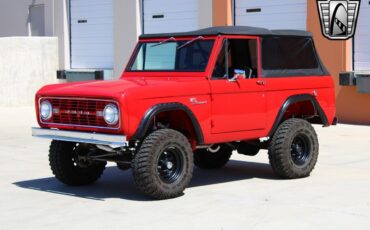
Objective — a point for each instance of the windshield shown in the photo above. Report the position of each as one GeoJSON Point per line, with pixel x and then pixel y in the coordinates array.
{"type": "Point", "coordinates": [171, 55]}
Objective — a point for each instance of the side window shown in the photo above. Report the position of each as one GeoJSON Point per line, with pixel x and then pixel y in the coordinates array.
{"type": "Point", "coordinates": [237, 55]}
{"type": "Point", "coordinates": [290, 56]}
{"type": "Point", "coordinates": [288, 53]}
{"type": "Point", "coordinates": [220, 70]}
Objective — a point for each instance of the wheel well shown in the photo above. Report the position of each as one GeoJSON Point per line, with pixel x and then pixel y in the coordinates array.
{"type": "Point", "coordinates": [177, 120]}
{"type": "Point", "coordinates": [301, 109]}
{"type": "Point", "coordinates": [173, 116]}
{"type": "Point", "coordinates": [302, 106]}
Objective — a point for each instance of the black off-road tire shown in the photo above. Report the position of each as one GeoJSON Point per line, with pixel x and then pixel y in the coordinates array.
{"type": "Point", "coordinates": [292, 137]}
{"type": "Point", "coordinates": [65, 169]}
{"type": "Point", "coordinates": [150, 169]}
{"type": "Point", "coordinates": [205, 159]}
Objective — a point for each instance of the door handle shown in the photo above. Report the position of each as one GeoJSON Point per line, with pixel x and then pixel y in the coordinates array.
{"type": "Point", "coordinates": [261, 82]}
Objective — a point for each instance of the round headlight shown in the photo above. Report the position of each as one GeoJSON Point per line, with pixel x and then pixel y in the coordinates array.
{"type": "Point", "coordinates": [45, 110]}
{"type": "Point", "coordinates": [111, 114]}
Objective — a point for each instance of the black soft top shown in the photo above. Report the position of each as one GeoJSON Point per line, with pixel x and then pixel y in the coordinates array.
{"type": "Point", "coordinates": [232, 30]}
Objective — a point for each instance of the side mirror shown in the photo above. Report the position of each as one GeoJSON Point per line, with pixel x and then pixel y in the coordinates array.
{"type": "Point", "coordinates": [238, 73]}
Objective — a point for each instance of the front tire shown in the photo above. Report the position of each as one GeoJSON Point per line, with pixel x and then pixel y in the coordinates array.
{"type": "Point", "coordinates": [294, 149]}
{"type": "Point", "coordinates": [213, 157]}
{"type": "Point", "coordinates": [70, 166]}
{"type": "Point", "coordinates": [163, 166]}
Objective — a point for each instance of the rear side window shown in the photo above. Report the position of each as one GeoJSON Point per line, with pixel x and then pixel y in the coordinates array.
{"type": "Point", "coordinates": [290, 56]}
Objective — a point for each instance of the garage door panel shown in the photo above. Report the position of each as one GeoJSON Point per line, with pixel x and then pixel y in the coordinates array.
{"type": "Point", "coordinates": [187, 25]}
{"type": "Point", "coordinates": [91, 34]}
{"type": "Point", "coordinates": [102, 64]}
{"type": "Point", "coordinates": [363, 22]}
{"type": "Point", "coordinates": [362, 39]}
{"type": "Point", "coordinates": [90, 7]}
{"type": "Point", "coordinates": [362, 45]}
{"type": "Point", "coordinates": [280, 10]}
{"type": "Point", "coordinates": [362, 66]}
{"type": "Point", "coordinates": [362, 56]}
{"type": "Point", "coordinates": [92, 30]}
{"type": "Point", "coordinates": [277, 25]}
{"type": "Point", "coordinates": [98, 40]}
{"type": "Point", "coordinates": [102, 11]}
{"type": "Point", "coordinates": [267, 18]}
{"type": "Point", "coordinates": [284, 14]}
{"type": "Point", "coordinates": [184, 8]}
{"type": "Point", "coordinates": [92, 21]}
{"type": "Point", "coordinates": [362, 30]}
{"type": "Point", "coordinates": [87, 47]}
{"type": "Point", "coordinates": [170, 16]}
{"type": "Point", "coordinates": [94, 58]}
{"type": "Point", "coordinates": [107, 27]}
{"type": "Point", "coordinates": [101, 16]}
{"type": "Point", "coordinates": [87, 51]}
{"type": "Point", "coordinates": [165, 16]}
{"type": "Point", "coordinates": [90, 3]}
{"type": "Point", "coordinates": [155, 6]}
{"type": "Point", "coordinates": [253, 3]}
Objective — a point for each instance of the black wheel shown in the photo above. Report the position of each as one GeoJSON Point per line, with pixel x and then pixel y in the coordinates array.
{"type": "Point", "coordinates": [294, 149]}
{"type": "Point", "coordinates": [163, 166]}
{"type": "Point", "coordinates": [69, 164]}
{"type": "Point", "coordinates": [216, 156]}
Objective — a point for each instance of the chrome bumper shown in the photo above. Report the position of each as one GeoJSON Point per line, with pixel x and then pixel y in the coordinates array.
{"type": "Point", "coordinates": [81, 137]}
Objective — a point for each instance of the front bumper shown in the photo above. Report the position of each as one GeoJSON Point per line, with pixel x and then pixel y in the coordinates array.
{"type": "Point", "coordinates": [81, 137]}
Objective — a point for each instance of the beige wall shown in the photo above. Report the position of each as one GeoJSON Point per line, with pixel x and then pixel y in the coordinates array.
{"type": "Point", "coordinates": [126, 29]}
{"type": "Point", "coordinates": [61, 31]}
{"type": "Point", "coordinates": [26, 64]}
{"type": "Point", "coordinates": [205, 13]}
{"type": "Point", "coordinates": [14, 20]}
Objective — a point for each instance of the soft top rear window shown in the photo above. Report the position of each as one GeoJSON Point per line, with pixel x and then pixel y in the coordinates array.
{"type": "Point", "coordinates": [290, 56]}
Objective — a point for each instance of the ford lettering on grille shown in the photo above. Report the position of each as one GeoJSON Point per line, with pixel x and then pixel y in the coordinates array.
{"type": "Point", "coordinates": [78, 112]}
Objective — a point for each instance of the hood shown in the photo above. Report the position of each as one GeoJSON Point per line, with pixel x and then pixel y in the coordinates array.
{"type": "Point", "coordinates": [138, 87]}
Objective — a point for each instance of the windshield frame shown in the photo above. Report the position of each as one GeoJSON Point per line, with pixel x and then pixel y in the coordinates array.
{"type": "Point", "coordinates": [177, 39]}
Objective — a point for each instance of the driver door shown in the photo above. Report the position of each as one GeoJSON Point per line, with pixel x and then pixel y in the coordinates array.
{"type": "Point", "coordinates": [238, 104]}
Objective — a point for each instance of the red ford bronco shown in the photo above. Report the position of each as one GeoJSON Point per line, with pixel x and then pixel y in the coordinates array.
{"type": "Point", "coordinates": [192, 99]}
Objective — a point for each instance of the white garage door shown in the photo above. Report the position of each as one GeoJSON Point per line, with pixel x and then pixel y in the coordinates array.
{"type": "Point", "coordinates": [165, 16]}
{"type": "Point", "coordinates": [91, 34]}
{"type": "Point", "coordinates": [282, 14]}
{"type": "Point", "coordinates": [362, 38]}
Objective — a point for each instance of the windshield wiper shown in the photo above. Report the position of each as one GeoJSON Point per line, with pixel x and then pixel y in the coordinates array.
{"type": "Point", "coordinates": [164, 41]}
{"type": "Point", "coordinates": [191, 41]}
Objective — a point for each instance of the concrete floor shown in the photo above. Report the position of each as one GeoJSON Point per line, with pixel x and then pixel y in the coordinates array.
{"type": "Point", "coordinates": [243, 195]}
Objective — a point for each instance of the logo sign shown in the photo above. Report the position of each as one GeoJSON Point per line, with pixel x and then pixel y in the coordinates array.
{"type": "Point", "coordinates": [338, 18]}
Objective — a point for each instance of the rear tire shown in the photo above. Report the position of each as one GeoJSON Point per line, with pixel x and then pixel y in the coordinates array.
{"type": "Point", "coordinates": [67, 164]}
{"type": "Point", "coordinates": [163, 166]}
{"type": "Point", "coordinates": [212, 158]}
{"type": "Point", "coordinates": [294, 149]}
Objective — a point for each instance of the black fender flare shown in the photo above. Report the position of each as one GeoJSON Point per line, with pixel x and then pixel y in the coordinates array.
{"type": "Point", "coordinates": [158, 108]}
{"type": "Point", "coordinates": [294, 99]}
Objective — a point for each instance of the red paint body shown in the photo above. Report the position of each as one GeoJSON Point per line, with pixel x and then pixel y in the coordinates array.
{"type": "Point", "coordinates": [234, 111]}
